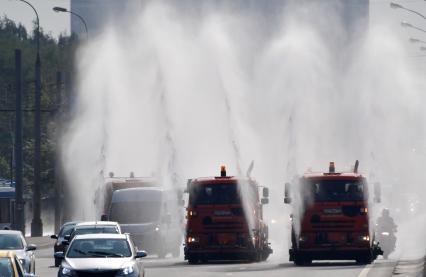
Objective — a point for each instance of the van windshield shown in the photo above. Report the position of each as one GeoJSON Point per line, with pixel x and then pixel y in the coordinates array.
{"type": "Point", "coordinates": [334, 190]}
{"type": "Point", "coordinates": [211, 194]}
{"type": "Point", "coordinates": [135, 212]}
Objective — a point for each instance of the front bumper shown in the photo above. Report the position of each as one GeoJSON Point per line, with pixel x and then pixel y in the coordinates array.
{"type": "Point", "coordinates": [330, 253]}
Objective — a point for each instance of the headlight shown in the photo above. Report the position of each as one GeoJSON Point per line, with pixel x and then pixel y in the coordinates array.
{"type": "Point", "coordinates": [385, 233]}
{"type": "Point", "coordinates": [303, 238]}
{"type": "Point", "coordinates": [127, 270]}
{"type": "Point", "coordinates": [364, 238]}
{"type": "Point", "coordinates": [68, 271]}
{"type": "Point", "coordinates": [22, 260]}
{"type": "Point", "coordinates": [193, 239]}
{"type": "Point", "coordinates": [157, 229]}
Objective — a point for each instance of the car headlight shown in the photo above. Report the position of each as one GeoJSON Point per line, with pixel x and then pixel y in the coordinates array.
{"type": "Point", "coordinates": [22, 260]}
{"type": "Point", "coordinates": [127, 270]}
{"type": "Point", "coordinates": [68, 271]}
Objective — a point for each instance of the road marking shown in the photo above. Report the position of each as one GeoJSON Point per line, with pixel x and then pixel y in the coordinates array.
{"type": "Point", "coordinates": [365, 271]}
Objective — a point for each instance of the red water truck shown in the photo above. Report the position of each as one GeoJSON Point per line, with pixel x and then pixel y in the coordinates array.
{"type": "Point", "coordinates": [330, 219]}
{"type": "Point", "coordinates": [225, 219]}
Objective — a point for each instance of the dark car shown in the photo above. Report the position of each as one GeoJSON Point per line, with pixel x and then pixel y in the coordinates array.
{"type": "Point", "coordinates": [110, 255]}
{"type": "Point", "coordinates": [66, 230]}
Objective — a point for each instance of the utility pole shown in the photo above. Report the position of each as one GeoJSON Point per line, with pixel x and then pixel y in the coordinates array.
{"type": "Point", "coordinates": [58, 168]}
{"type": "Point", "coordinates": [19, 209]}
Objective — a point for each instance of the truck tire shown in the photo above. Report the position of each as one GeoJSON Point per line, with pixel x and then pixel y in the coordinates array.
{"type": "Point", "coordinates": [364, 260]}
{"type": "Point", "coordinates": [192, 259]}
{"type": "Point", "coordinates": [300, 261]}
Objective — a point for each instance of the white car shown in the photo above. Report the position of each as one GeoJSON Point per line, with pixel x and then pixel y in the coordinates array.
{"type": "Point", "coordinates": [15, 241]}
{"type": "Point", "coordinates": [101, 255]}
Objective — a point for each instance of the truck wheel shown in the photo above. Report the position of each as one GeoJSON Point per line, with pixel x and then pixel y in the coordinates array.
{"type": "Point", "coordinates": [302, 262]}
{"type": "Point", "coordinates": [363, 261]}
{"type": "Point", "coordinates": [192, 260]}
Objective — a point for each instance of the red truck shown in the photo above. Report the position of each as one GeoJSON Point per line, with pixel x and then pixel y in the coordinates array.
{"type": "Point", "coordinates": [330, 219]}
{"type": "Point", "coordinates": [225, 219]}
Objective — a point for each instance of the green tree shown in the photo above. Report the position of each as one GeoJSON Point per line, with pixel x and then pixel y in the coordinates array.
{"type": "Point", "coordinates": [56, 55]}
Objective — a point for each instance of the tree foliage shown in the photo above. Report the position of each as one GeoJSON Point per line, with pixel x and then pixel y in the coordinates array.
{"type": "Point", "coordinates": [56, 55]}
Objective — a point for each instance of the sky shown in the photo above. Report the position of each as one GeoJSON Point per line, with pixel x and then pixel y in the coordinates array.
{"type": "Point", "coordinates": [57, 23]}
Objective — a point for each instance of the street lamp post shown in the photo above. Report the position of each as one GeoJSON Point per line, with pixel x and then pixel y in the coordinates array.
{"type": "Point", "coordinates": [398, 6]}
{"type": "Point", "coordinates": [64, 10]}
{"type": "Point", "coordinates": [416, 40]}
{"type": "Point", "coordinates": [409, 25]}
{"type": "Point", "coordinates": [36, 224]}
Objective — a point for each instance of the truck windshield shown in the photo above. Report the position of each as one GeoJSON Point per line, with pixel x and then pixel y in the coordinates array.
{"type": "Point", "coordinates": [135, 212]}
{"type": "Point", "coordinates": [215, 194]}
{"type": "Point", "coordinates": [335, 190]}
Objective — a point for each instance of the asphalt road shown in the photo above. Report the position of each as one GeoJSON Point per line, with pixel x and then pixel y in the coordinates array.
{"type": "Point", "coordinates": [271, 268]}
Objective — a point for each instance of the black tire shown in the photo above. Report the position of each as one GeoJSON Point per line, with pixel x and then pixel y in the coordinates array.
{"type": "Point", "coordinates": [363, 261]}
{"type": "Point", "coordinates": [302, 261]}
{"type": "Point", "coordinates": [57, 262]}
{"type": "Point", "coordinates": [192, 260]}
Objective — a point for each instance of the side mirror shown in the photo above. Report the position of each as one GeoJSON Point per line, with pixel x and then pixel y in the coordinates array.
{"type": "Point", "coordinates": [140, 254]}
{"type": "Point", "coordinates": [264, 201]}
{"type": "Point", "coordinates": [54, 236]}
{"type": "Point", "coordinates": [377, 193]}
{"type": "Point", "coordinates": [59, 255]}
{"type": "Point", "coordinates": [104, 217]}
{"type": "Point", "coordinates": [31, 247]}
{"type": "Point", "coordinates": [265, 192]}
{"type": "Point", "coordinates": [287, 193]}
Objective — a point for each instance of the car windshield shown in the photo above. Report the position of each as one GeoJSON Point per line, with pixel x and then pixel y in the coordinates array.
{"type": "Point", "coordinates": [95, 230]}
{"type": "Point", "coordinates": [214, 194]}
{"type": "Point", "coordinates": [6, 269]}
{"type": "Point", "coordinates": [135, 212]}
{"type": "Point", "coordinates": [10, 242]}
{"type": "Point", "coordinates": [66, 230]}
{"type": "Point", "coordinates": [95, 248]}
{"type": "Point", "coordinates": [334, 190]}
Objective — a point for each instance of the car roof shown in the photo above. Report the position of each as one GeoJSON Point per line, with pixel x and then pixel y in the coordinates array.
{"type": "Point", "coordinates": [71, 223]}
{"type": "Point", "coordinates": [96, 223]}
{"type": "Point", "coordinates": [10, 232]}
{"type": "Point", "coordinates": [7, 254]}
{"type": "Point", "coordinates": [101, 236]}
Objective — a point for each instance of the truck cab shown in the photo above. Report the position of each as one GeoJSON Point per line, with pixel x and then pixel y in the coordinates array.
{"type": "Point", "coordinates": [330, 219]}
{"type": "Point", "coordinates": [147, 211]}
{"type": "Point", "coordinates": [225, 219]}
